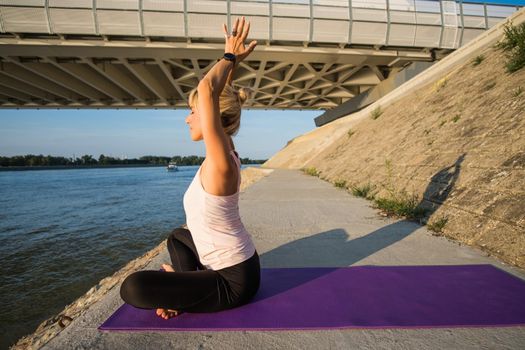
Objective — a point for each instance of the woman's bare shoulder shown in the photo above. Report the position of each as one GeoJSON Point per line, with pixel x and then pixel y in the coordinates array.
{"type": "Point", "coordinates": [217, 182]}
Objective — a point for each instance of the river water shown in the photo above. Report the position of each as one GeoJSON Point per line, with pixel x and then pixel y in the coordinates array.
{"type": "Point", "coordinates": [62, 231]}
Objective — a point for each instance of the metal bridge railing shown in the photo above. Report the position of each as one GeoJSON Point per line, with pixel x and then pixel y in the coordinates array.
{"type": "Point", "coordinates": [405, 23]}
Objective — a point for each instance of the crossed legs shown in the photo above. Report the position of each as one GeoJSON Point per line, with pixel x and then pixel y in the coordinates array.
{"type": "Point", "coordinates": [190, 288]}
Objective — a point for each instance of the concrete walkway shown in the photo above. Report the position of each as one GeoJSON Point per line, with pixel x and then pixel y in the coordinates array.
{"type": "Point", "coordinates": [297, 220]}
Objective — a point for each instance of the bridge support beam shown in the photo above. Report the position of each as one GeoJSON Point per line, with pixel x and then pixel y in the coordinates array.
{"type": "Point", "coordinates": [396, 78]}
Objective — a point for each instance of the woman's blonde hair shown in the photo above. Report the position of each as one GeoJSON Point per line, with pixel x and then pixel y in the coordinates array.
{"type": "Point", "coordinates": [230, 103]}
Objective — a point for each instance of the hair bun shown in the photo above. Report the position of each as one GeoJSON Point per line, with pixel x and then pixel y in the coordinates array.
{"type": "Point", "coordinates": [245, 93]}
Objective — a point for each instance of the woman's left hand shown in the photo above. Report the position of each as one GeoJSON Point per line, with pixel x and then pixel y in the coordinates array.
{"type": "Point", "coordinates": [235, 41]}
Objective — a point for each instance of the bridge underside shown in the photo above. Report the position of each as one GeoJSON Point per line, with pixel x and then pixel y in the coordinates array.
{"type": "Point", "coordinates": [151, 54]}
{"type": "Point", "coordinates": [78, 73]}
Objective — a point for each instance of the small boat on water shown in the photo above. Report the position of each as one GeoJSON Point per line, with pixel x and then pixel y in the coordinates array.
{"type": "Point", "coordinates": [172, 166]}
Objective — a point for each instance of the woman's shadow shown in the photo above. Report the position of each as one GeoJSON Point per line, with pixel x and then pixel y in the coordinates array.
{"type": "Point", "coordinates": [328, 251]}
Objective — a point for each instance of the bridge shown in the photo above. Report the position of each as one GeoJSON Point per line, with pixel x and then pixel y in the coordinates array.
{"type": "Point", "coordinates": [311, 54]}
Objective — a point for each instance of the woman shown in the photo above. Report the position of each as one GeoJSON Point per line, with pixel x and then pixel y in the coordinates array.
{"type": "Point", "coordinates": [215, 264]}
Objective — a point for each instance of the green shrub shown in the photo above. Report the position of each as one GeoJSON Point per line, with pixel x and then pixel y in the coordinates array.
{"type": "Point", "coordinates": [456, 118]}
{"type": "Point", "coordinates": [376, 112]}
{"type": "Point", "coordinates": [401, 205]}
{"type": "Point", "coordinates": [340, 183]}
{"type": "Point", "coordinates": [350, 133]}
{"type": "Point", "coordinates": [311, 171]}
{"type": "Point", "coordinates": [514, 45]}
{"type": "Point", "coordinates": [517, 92]}
{"type": "Point", "coordinates": [397, 203]}
{"type": "Point", "coordinates": [437, 225]}
{"type": "Point", "coordinates": [364, 191]}
{"type": "Point", "coordinates": [477, 60]}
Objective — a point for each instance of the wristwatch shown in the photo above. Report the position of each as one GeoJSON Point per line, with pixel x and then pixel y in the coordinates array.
{"type": "Point", "coordinates": [228, 56]}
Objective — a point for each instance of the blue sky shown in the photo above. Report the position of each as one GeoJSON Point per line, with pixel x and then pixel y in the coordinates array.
{"type": "Point", "coordinates": [134, 133]}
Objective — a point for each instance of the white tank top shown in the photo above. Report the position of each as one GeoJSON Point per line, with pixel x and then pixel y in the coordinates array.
{"type": "Point", "coordinates": [215, 225]}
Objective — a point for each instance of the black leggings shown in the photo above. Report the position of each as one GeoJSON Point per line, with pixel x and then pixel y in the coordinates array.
{"type": "Point", "coordinates": [192, 287]}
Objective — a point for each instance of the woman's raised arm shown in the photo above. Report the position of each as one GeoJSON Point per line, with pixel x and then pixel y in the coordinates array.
{"type": "Point", "coordinates": [209, 90]}
{"type": "Point", "coordinates": [215, 139]}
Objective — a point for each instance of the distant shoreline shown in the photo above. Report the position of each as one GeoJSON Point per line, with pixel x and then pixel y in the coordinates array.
{"type": "Point", "coordinates": [60, 167]}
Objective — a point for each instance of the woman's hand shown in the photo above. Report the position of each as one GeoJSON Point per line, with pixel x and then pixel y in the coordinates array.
{"type": "Point", "coordinates": [235, 41]}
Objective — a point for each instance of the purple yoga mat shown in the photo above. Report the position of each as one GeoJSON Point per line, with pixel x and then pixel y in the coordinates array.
{"type": "Point", "coordinates": [357, 297]}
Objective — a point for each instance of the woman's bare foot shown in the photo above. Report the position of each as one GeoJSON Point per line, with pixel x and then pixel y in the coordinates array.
{"type": "Point", "coordinates": [167, 313]}
{"type": "Point", "coordinates": [168, 267]}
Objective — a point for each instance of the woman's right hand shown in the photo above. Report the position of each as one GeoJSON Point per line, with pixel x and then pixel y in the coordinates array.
{"type": "Point", "coordinates": [235, 41]}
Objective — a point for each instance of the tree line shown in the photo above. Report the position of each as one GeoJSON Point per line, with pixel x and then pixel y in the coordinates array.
{"type": "Point", "coordinates": [87, 159]}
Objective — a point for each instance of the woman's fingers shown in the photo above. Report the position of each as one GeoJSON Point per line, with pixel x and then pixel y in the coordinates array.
{"type": "Point", "coordinates": [242, 55]}
{"type": "Point", "coordinates": [252, 45]}
{"type": "Point", "coordinates": [250, 48]}
{"type": "Point", "coordinates": [235, 25]}
{"type": "Point", "coordinates": [241, 27]}
{"type": "Point", "coordinates": [245, 31]}
{"type": "Point", "coordinates": [236, 43]}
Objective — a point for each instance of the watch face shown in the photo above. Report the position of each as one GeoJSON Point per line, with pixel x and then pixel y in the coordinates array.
{"type": "Point", "coordinates": [229, 56]}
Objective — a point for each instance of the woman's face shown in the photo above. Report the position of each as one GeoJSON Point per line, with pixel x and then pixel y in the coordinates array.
{"type": "Point", "coordinates": [193, 121]}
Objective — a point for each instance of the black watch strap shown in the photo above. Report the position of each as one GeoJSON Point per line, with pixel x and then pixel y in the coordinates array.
{"type": "Point", "coordinates": [229, 57]}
